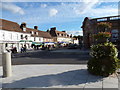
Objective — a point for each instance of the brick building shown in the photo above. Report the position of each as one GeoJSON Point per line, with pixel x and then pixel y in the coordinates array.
{"type": "Point", "coordinates": [90, 27]}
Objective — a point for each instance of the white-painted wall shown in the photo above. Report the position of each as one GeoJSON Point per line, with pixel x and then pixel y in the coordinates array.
{"type": "Point", "coordinates": [62, 39]}
{"type": "Point", "coordinates": [12, 36]}
{"type": "Point", "coordinates": [37, 39]}
{"type": "Point", "coordinates": [12, 39]}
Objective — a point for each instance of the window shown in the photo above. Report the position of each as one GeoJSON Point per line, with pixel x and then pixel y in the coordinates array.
{"type": "Point", "coordinates": [17, 37]}
{"type": "Point", "coordinates": [3, 35]}
{"type": "Point", "coordinates": [24, 29]}
{"type": "Point", "coordinates": [21, 36]}
{"type": "Point", "coordinates": [58, 34]}
{"type": "Point", "coordinates": [34, 32]}
{"type": "Point", "coordinates": [6, 45]}
{"type": "Point", "coordinates": [39, 39]}
{"type": "Point", "coordinates": [30, 32]}
{"type": "Point", "coordinates": [26, 37]}
{"type": "Point", "coordinates": [34, 38]}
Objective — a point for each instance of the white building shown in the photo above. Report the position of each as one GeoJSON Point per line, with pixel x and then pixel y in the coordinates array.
{"type": "Point", "coordinates": [15, 35]}
{"type": "Point", "coordinates": [11, 36]}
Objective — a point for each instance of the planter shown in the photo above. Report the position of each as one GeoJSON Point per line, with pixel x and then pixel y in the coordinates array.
{"type": "Point", "coordinates": [102, 40]}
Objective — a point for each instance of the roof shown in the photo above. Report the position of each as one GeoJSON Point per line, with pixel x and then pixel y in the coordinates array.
{"type": "Point", "coordinates": [44, 34]}
{"type": "Point", "coordinates": [13, 26]}
{"type": "Point", "coordinates": [9, 26]}
{"type": "Point", "coordinates": [60, 32]}
{"type": "Point", "coordinates": [40, 33]}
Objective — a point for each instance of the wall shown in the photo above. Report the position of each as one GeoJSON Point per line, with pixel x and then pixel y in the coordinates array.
{"type": "Point", "coordinates": [10, 39]}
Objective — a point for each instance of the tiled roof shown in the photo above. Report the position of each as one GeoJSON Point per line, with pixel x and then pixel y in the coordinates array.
{"type": "Point", "coordinates": [60, 32]}
{"type": "Point", "coordinates": [44, 34]}
{"type": "Point", "coordinates": [40, 33]}
{"type": "Point", "coordinates": [13, 26]}
{"type": "Point", "coordinates": [9, 26]}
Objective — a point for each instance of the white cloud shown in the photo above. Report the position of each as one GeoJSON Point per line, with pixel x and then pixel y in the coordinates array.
{"type": "Point", "coordinates": [99, 12]}
{"type": "Point", "coordinates": [75, 32]}
{"type": "Point", "coordinates": [43, 5]}
{"type": "Point", "coordinates": [88, 9]}
{"type": "Point", "coordinates": [53, 12]}
{"type": "Point", "coordinates": [12, 8]}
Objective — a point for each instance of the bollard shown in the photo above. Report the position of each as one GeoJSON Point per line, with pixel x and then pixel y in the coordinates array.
{"type": "Point", "coordinates": [6, 62]}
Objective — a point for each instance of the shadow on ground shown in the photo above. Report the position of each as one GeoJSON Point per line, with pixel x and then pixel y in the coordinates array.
{"type": "Point", "coordinates": [74, 77]}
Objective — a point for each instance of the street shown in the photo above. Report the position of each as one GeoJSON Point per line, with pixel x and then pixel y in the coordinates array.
{"type": "Point", "coordinates": [49, 57]}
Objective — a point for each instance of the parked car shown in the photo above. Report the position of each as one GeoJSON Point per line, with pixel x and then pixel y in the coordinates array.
{"type": "Point", "coordinates": [73, 46]}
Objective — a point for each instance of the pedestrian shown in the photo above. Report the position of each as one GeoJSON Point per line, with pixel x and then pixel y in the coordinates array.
{"type": "Point", "coordinates": [22, 49]}
{"type": "Point", "coordinates": [49, 47]}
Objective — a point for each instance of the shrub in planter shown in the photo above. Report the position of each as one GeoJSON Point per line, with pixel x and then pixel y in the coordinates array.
{"type": "Point", "coordinates": [104, 59]}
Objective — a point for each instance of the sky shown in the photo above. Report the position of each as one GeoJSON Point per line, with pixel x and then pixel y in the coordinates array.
{"type": "Point", "coordinates": [65, 16]}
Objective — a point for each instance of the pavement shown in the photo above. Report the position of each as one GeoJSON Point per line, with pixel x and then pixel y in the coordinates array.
{"type": "Point", "coordinates": [57, 76]}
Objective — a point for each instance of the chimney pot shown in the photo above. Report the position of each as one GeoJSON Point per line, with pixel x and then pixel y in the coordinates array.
{"type": "Point", "coordinates": [54, 28]}
{"type": "Point", "coordinates": [36, 27]}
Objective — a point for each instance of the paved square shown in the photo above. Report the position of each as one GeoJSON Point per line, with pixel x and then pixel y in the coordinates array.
{"type": "Point", "coordinates": [56, 76]}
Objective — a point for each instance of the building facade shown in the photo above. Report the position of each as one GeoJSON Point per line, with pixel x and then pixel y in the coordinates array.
{"type": "Point", "coordinates": [60, 36]}
{"type": "Point", "coordinates": [90, 27]}
{"type": "Point", "coordinates": [11, 34]}
{"type": "Point", "coordinates": [15, 35]}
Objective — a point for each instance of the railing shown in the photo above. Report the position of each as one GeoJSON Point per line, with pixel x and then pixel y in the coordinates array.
{"type": "Point", "coordinates": [107, 18]}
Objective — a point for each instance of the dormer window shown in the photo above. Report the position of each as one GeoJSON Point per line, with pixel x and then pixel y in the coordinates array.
{"type": "Point", "coordinates": [24, 29]}
{"type": "Point", "coordinates": [32, 32]}
{"type": "Point", "coordinates": [36, 33]}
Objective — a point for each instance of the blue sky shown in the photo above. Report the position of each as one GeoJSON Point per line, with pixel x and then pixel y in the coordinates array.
{"type": "Point", "coordinates": [66, 16]}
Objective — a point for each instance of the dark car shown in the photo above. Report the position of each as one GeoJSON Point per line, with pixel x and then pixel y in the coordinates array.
{"type": "Point", "coordinates": [73, 46]}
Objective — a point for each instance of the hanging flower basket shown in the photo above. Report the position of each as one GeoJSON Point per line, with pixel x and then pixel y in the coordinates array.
{"type": "Point", "coordinates": [102, 37]}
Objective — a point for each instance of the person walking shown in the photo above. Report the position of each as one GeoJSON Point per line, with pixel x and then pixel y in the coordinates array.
{"type": "Point", "coordinates": [22, 49]}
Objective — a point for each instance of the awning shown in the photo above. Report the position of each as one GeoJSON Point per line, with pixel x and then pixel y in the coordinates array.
{"type": "Point", "coordinates": [37, 43]}
{"type": "Point", "coordinates": [25, 40]}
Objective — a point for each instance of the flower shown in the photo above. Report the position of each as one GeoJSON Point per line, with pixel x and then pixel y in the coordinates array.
{"type": "Point", "coordinates": [102, 35]}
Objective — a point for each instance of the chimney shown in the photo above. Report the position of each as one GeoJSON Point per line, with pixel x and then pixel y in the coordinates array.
{"type": "Point", "coordinates": [53, 29]}
{"type": "Point", "coordinates": [23, 24]}
{"type": "Point", "coordinates": [36, 27]}
{"type": "Point", "coordinates": [63, 31]}
{"type": "Point", "coordinates": [48, 30]}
